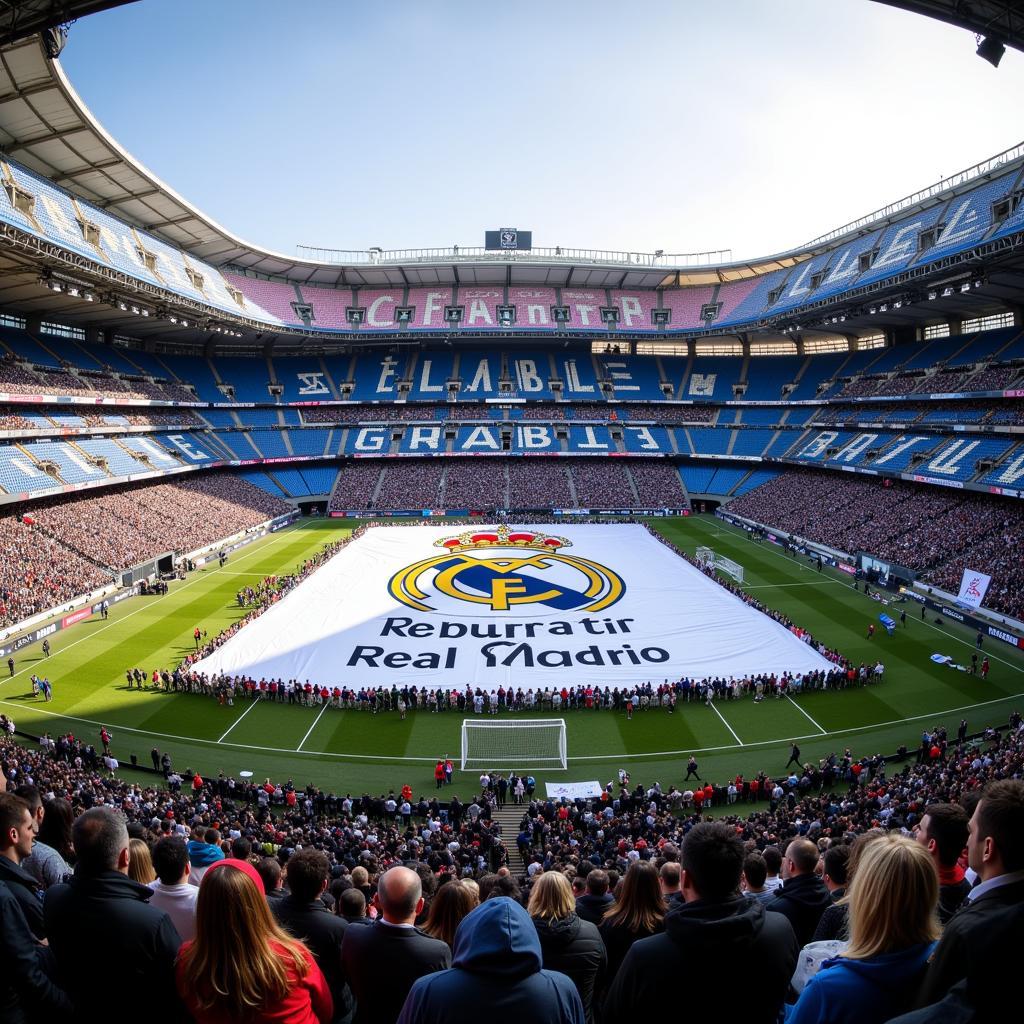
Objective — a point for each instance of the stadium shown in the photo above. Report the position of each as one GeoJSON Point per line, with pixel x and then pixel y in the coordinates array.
{"type": "Point", "coordinates": [562, 525]}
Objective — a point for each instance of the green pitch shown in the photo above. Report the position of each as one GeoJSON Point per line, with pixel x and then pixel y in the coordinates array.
{"type": "Point", "coordinates": [354, 751]}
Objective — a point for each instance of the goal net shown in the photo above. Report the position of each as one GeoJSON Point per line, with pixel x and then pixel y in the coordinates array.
{"type": "Point", "coordinates": [538, 743]}
{"type": "Point", "coordinates": [707, 556]}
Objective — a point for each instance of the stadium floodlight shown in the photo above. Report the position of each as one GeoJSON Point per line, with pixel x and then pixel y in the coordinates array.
{"type": "Point", "coordinates": [991, 48]}
{"type": "Point", "coordinates": [517, 743]}
{"type": "Point", "coordinates": [932, 296]}
{"type": "Point", "coordinates": [947, 292]}
{"type": "Point", "coordinates": [965, 287]}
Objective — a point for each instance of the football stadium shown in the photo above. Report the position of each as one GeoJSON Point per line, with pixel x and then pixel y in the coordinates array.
{"type": "Point", "coordinates": [529, 624]}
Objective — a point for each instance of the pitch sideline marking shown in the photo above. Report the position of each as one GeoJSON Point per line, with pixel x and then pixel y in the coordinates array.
{"type": "Point", "coordinates": [618, 755]}
{"type": "Point", "coordinates": [298, 749]}
{"type": "Point", "coordinates": [238, 719]}
{"type": "Point", "coordinates": [726, 724]}
{"type": "Point", "coordinates": [930, 625]}
{"type": "Point", "coordinates": [142, 607]}
{"type": "Point", "coordinates": [807, 716]}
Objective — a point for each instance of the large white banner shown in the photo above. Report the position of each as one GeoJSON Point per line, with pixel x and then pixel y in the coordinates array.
{"type": "Point", "coordinates": [973, 588]}
{"type": "Point", "coordinates": [531, 607]}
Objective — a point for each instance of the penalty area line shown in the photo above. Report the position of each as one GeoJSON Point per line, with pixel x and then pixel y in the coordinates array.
{"type": "Point", "coordinates": [807, 716]}
{"type": "Point", "coordinates": [238, 719]}
{"type": "Point", "coordinates": [298, 749]}
{"type": "Point", "coordinates": [726, 724]}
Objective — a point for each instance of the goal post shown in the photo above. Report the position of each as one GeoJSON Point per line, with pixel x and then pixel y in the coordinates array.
{"type": "Point", "coordinates": [728, 566]}
{"type": "Point", "coordinates": [709, 557]}
{"type": "Point", "coordinates": [514, 743]}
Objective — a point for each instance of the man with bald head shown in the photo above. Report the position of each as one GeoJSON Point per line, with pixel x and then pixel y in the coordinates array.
{"type": "Point", "coordinates": [381, 962]}
{"type": "Point", "coordinates": [803, 897]}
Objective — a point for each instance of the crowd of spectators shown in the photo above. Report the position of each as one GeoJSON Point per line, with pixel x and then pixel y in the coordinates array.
{"type": "Point", "coordinates": [658, 484]}
{"type": "Point", "coordinates": [996, 378]}
{"type": "Point", "coordinates": [411, 483]}
{"type": "Point", "coordinates": [538, 483]}
{"type": "Point", "coordinates": [934, 531]}
{"type": "Point", "coordinates": [56, 550]}
{"type": "Point", "coordinates": [473, 483]}
{"type": "Point", "coordinates": [602, 483]}
{"type": "Point", "coordinates": [619, 897]}
{"type": "Point", "coordinates": [37, 572]}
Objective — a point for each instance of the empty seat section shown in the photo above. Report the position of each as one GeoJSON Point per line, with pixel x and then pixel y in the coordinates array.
{"type": "Point", "coordinates": [119, 462]}
{"type": "Point", "coordinates": [697, 478]}
{"type": "Point", "coordinates": [751, 442]}
{"type": "Point", "coordinates": [73, 467]}
{"type": "Point", "coordinates": [270, 443]}
{"type": "Point", "coordinates": [308, 441]}
{"type": "Point", "coordinates": [710, 440]}
{"type": "Point", "coordinates": [725, 480]}
{"type": "Point", "coordinates": [758, 477]}
{"type": "Point", "coordinates": [766, 376]}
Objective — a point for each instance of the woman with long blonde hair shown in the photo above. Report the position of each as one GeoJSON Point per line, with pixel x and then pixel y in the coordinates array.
{"type": "Point", "coordinates": [893, 925]}
{"type": "Point", "coordinates": [242, 967]}
{"type": "Point", "coordinates": [140, 863]}
{"type": "Point", "coordinates": [568, 943]}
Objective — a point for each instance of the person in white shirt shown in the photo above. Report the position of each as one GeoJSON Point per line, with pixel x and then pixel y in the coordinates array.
{"type": "Point", "coordinates": [172, 892]}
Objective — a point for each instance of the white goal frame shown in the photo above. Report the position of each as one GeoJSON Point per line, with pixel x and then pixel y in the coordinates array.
{"type": "Point", "coordinates": [509, 758]}
{"type": "Point", "coordinates": [708, 556]}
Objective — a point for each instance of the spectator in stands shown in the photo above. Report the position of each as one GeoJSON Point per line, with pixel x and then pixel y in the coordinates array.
{"type": "Point", "coordinates": [592, 905]}
{"type": "Point", "coordinates": [203, 850]}
{"type": "Point", "coordinates": [669, 879]}
{"type": "Point", "coordinates": [27, 993]}
{"type": "Point", "coordinates": [451, 903]}
{"type": "Point", "coordinates": [943, 831]}
{"type": "Point", "coordinates": [140, 863]}
{"type": "Point", "coordinates": [45, 864]}
{"type": "Point", "coordinates": [303, 915]}
{"type": "Point", "coordinates": [269, 870]}
{"type": "Point", "coordinates": [803, 896]}
{"type": "Point", "coordinates": [100, 920]}
{"type": "Point", "coordinates": [172, 892]}
{"type": "Point", "coordinates": [383, 960]}
{"type": "Point", "coordinates": [17, 830]}
{"type": "Point", "coordinates": [995, 851]}
{"type": "Point", "coordinates": [496, 974]}
{"type": "Point", "coordinates": [715, 938]}
{"type": "Point", "coordinates": [637, 913]}
{"type": "Point", "coordinates": [893, 929]}
{"type": "Point", "coordinates": [752, 881]}
{"type": "Point", "coordinates": [352, 906]}
{"type": "Point", "coordinates": [55, 832]}
{"type": "Point", "coordinates": [569, 944]}
{"type": "Point", "coordinates": [835, 863]}
{"type": "Point", "coordinates": [274, 979]}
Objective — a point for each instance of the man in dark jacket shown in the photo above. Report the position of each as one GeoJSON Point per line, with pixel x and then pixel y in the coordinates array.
{"type": "Point", "coordinates": [17, 831]}
{"type": "Point", "coordinates": [383, 960]}
{"type": "Point", "coordinates": [27, 994]}
{"type": "Point", "coordinates": [303, 914]}
{"type": "Point", "coordinates": [803, 897]}
{"type": "Point", "coordinates": [597, 899]}
{"type": "Point", "coordinates": [995, 850]}
{"type": "Point", "coordinates": [115, 953]}
{"type": "Point", "coordinates": [707, 937]}
{"type": "Point", "coordinates": [497, 965]}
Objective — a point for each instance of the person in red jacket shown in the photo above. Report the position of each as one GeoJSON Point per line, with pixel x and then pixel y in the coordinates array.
{"type": "Point", "coordinates": [277, 980]}
{"type": "Point", "coordinates": [439, 774]}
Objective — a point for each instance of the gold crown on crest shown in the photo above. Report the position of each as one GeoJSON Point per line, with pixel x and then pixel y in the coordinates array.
{"type": "Point", "coordinates": [502, 537]}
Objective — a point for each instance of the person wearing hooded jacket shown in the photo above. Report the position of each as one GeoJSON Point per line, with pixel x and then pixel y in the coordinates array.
{"type": "Point", "coordinates": [497, 965]}
{"type": "Point", "coordinates": [893, 931]}
{"type": "Point", "coordinates": [716, 929]}
{"type": "Point", "coordinates": [568, 943]}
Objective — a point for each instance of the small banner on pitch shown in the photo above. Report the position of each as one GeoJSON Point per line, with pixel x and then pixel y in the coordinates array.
{"type": "Point", "coordinates": [573, 790]}
{"type": "Point", "coordinates": [973, 588]}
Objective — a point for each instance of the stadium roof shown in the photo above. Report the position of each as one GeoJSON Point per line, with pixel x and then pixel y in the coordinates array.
{"type": "Point", "coordinates": [1001, 19]}
{"type": "Point", "coordinates": [45, 126]}
{"type": "Point", "coordinates": [22, 18]}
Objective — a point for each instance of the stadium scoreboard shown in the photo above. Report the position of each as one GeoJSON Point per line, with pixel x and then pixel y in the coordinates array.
{"type": "Point", "coordinates": [508, 238]}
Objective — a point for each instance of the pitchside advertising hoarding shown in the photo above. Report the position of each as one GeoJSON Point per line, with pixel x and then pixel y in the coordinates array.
{"type": "Point", "coordinates": [436, 606]}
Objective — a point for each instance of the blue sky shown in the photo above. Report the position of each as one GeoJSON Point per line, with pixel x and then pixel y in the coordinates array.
{"type": "Point", "coordinates": [681, 126]}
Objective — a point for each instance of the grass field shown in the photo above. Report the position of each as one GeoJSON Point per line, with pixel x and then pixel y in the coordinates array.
{"type": "Point", "coordinates": [354, 751]}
